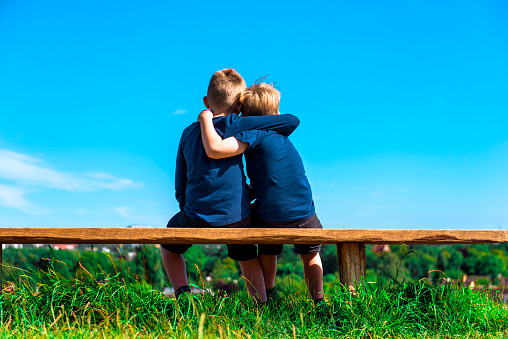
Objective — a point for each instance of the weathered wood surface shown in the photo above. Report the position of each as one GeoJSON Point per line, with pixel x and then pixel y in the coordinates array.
{"type": "Point", "coordinates": [352, 263]}
{"type": "Point", "coordinates": [244, 236]}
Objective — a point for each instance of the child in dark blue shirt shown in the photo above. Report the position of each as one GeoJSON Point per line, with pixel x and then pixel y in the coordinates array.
{"type": "Point", "coordinates": [282, 191]}
{"type": "Point", "coordinates": [213, 193]}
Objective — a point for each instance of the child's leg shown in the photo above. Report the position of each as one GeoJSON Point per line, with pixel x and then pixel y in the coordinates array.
{"type": "Point", "coordinates": [174, 264]}
{"type": "Point", "coordinates": [268, 259]}
{"type": "Point", "coordinates": [313, 270]}
{"type": "Point", "coordinates": [171, 255]}
{"type": "Point", "coordinates": [254, 279]}
{"type": "Point", "coordinates": [269, 267]}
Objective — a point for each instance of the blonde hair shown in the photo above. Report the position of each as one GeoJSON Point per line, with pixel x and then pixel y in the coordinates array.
{"type": "Point", "coordinates": [260, 99]}
{"type": "Point", "coordinates": [224, 89]}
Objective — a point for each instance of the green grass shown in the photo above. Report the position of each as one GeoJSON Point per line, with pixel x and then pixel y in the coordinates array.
{"type": "Point", "coordinates": [42, 305]}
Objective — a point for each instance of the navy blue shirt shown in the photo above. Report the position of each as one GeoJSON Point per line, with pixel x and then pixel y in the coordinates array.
{"type": "Point", "coordinates": [215, 190]}
{"type": "Point", "coordinates": [276, 172]}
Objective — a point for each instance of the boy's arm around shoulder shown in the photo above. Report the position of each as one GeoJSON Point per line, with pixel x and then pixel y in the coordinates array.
{"type": "Point", "coordinates": [283, 124]}
{"type": "Point", "coordinates": [215, 147]}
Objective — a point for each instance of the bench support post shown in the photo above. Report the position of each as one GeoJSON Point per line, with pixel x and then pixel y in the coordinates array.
{"type": "Point", "coordinates": [352, 260]}
{"type": "Point", "coordinates": [1, 269]}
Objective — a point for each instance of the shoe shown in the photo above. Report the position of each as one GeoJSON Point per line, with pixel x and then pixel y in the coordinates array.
{"type": "Point", "coordinates": [182, 290]}
{"type": "Point", "coordinates": [323, 311]}
{"type": "Point", "coordinates": [272, 295]}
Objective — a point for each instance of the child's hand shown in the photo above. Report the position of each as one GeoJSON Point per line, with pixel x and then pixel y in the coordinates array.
{"type": "Point", "coordinates": [206, 114]}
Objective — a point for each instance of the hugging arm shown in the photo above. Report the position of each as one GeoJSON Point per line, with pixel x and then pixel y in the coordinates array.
{"type": "Point", "coordinates": [215, 147]}
{"type": "Point", "coordinates": [283, 124]}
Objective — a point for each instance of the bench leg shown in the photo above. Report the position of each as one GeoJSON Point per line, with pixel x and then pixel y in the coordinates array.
{"type": "Point", "coordinates": [1, 269]}
{"type": "Point", "coordinates": [352, 260]}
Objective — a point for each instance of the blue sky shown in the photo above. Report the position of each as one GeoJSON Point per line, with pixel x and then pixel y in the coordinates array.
{"type": "Point", "coordinates": [403, 105]}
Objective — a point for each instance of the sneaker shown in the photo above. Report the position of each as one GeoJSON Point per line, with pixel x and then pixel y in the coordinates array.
{"type": "Point", "coordinates": [272, 295]}
{"type": "Point", "coordinates": [182, 290]}
{"type": "Point", "coordinates": [323, 311]}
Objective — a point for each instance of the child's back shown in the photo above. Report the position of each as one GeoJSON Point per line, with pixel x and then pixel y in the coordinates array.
{"type": "Point", "coordinates": [208, 189]}
{"type": "Point", "coordinates": [276, 172]}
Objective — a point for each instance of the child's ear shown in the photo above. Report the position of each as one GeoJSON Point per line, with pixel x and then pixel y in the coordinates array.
{"type": "Point", "coordinates": [205, 101]}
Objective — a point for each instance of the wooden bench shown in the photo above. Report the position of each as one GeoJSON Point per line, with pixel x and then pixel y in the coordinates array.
{"type": "Point", "coordinates": [350, 242]}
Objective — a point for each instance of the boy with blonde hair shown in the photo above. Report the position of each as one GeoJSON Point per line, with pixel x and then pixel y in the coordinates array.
{"type": "Point", "coordinates": [282, 191]}
{"type": "Point", "coordinates": [213, 193]}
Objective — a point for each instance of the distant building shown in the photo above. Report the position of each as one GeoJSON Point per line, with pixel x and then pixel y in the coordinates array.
{"type": "Point", "coordinates": [381, 248]}
{"type": "Point", "coordinates": [4, 246]}
{"type": "Point", "coordinates": [68, 247]}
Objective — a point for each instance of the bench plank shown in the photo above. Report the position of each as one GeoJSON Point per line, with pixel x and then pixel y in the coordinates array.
{"type": "Point", "coordinates": [245, 236]}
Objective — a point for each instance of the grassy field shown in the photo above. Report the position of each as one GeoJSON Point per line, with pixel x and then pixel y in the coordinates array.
{"type": "Point", "coordinates": [42, 305]}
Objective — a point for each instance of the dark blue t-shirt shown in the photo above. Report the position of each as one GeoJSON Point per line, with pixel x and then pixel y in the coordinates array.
{"type": "Point", "coordinates": [276, 172]}
{"type": "Point", "coordinates": [215, 190]}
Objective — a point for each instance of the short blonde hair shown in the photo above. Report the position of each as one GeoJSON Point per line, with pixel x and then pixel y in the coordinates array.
{"type": "Point", "coordinates": [224, 89]}
{"type": "Point", "coordinates": [260, 99]}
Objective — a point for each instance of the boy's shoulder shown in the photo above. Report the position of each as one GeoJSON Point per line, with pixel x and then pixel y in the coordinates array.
{"type": "Point", "coordinates": [192, 133]}
{"type": "Point", "coordinates": [191, 128]}
{"type": "Point", "coordinates": [189, 131]}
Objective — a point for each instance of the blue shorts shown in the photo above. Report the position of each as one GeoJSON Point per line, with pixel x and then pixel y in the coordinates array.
{"type": "Point", "coordinates": [240, 252]}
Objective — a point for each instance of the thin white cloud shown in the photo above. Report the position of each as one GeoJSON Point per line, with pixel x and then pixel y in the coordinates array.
{"type": "Point", "coordinates": [14, 197]}
{"type": "Point", "coordinates": [123, 211]}
{"type": "Point", "coordinates": [180, 111]}
{"type": "Point", "coordinates": [21, 174]}
{"type": "Point", "coordinates": [30, 171]}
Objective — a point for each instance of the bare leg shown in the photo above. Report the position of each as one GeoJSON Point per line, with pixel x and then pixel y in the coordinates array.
{"type": "Point", "coordinates": [269, 266]}
{"type": "Point", "coordinates": [313, 270]}
{"type": "Point", "coordinates": [175, 267]}
{"type": "Point", "coordinates": [253, 275]}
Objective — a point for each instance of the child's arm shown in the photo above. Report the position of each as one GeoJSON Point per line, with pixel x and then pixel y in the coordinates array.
{"type": "Point", "coordinates": [215, 147]}
{"type": "Point", "coordinates": [180, 177]}
{"type": "Point", "coordinates": [283, 124]}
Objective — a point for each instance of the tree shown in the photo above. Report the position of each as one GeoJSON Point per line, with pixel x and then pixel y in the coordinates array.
{"type": "Point", "coordinates": [490, 265]}
{"type": "Point", "coordinates": [420, 263]}
{"type": "Point", "coordinates": [329, 259]}
{"type": "Point", "coordinates": [148, 264]}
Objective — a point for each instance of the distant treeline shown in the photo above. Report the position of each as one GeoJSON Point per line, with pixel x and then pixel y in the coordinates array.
{"type": "Point", "coordinates": [209, 264]}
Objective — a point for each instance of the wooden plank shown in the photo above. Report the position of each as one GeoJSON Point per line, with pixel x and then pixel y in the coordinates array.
{"type": "Point", "coordinates": [352, 263]}
{"type": "Point", "coordinates": [245, 236]}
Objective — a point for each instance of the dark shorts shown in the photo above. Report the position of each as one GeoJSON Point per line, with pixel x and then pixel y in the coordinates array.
{"type": "Point", "coordinates": [312, 222]}
{"type": "Point", "coordinates": [238, 252]}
